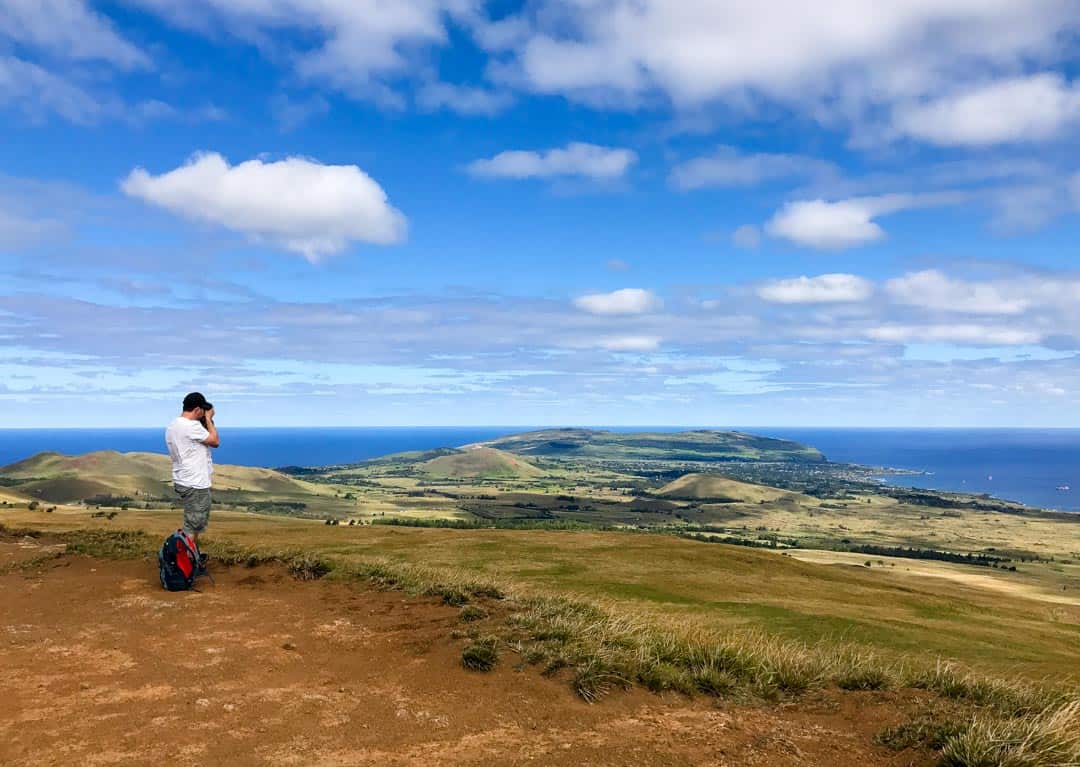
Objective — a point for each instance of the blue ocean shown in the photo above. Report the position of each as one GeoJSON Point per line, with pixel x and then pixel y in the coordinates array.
{"type": "Point", "coordinates": [1026, 465]}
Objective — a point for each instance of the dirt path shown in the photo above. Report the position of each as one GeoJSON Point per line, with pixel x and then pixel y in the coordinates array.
{"type": "Point", "coordinates": [101, 667]}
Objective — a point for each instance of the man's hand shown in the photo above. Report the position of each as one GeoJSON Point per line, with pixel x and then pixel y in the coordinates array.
{"type": "Point", "coordinates": [212, 438]}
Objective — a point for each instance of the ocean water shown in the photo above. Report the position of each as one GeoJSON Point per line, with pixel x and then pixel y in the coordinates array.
{"type": "Point", "coordinates": [1026, 465]}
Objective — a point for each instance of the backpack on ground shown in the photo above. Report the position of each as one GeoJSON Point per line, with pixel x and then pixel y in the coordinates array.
{"type": "Point", "coordinates": [180, 563]}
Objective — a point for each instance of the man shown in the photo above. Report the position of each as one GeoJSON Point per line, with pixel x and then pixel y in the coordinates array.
{"type": "Point", "coordinates": [189, 439]}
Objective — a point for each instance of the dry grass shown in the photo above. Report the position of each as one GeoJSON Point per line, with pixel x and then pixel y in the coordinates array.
{"type": "Point", "coordinates": [1048, 739]}
{"type": "Point", "coordinates": [603, 647]}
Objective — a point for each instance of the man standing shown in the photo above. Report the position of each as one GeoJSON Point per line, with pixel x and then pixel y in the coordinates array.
{"type": "Point", "coordinates": [189, 439]}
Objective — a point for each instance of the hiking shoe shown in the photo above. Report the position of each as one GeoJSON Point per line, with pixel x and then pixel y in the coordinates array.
{"type": "Point", "coordinates": [203, 558]}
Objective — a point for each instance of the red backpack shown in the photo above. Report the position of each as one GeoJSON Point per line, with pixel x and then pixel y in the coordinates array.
{"type": "Point", "coordinates": [179, 562]}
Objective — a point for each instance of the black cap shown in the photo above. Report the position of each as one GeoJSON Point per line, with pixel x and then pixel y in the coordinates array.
{"type": "Point", "coordinates": [194, 400]}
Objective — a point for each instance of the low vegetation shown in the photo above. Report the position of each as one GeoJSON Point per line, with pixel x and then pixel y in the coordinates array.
{"type": "Point", "coordinates": [481, 654]}
{"type": "Point", "coordinates": [598, 649]}
{"type": "Point", "coordinates": [1052, 737]}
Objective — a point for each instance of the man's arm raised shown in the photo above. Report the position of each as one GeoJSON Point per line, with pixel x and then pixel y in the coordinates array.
{"type": "Point", "coordinates": [212, 439]}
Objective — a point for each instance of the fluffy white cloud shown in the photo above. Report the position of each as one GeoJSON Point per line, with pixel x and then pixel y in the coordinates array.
{"type": "Point", "coordinates": [825, 288]}
{"type": "Point", "coordinates": [964, 333]}
{"type": "Point", "coordinates": [847, 223]}
{"type": "Point", "coordinates": [625, 301]}
{"type": "Point", "coordinates": [931, 289]}
{"type": "Point", "coordinates": [577, 159]}
{"type": "Point", "coordinates": [700, 50]}
{"type": "Point", "coordinates": [67, 29]}
{"type": "Point", "coordinates": [299, 204]}
{"type": "Point", "coordinates": [729, 167]}
{"type": "Point", "coordinates": [833, 225]}
{"type": "Point", "coordinates": [1032, 108]}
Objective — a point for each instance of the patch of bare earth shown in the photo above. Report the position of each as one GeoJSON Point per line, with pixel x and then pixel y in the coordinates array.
{"type": "Point", "coordinates": [102, 667]}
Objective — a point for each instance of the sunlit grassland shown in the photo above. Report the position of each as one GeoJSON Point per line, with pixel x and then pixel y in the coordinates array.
{"type": "Point", "coordinates": [689, 584]}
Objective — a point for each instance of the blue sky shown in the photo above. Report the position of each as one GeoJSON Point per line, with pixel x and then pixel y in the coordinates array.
{"type": "Point", "coordinates": [353, 212]}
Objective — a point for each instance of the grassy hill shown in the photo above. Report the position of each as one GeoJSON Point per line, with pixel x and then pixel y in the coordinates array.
{"type": "Point", "coordinates": [479, 463]}
{"type": "Point", "coordinates": [58, 478]}
{"type": "Point", "coordinates": [703, 446]}
{"type": "Point", "coordinates": [720, 489]}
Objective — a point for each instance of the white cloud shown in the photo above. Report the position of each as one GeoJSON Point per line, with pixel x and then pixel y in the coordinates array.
{"type": "Point", "coordinates": [833, 225]}
{"type": "Point", "coordinates": [825, 288]}
{"type": "Point", "coordinates": [67, 29]}
{"type": "Point", "coordinates": [746, 236]}
{"type": "Point", "coordinates": [853, 55]}
{"type": "Point", "coordinates": [356, 46]}
{"type": "Point", "coordinates": [931, 289]}
{"type": "Point", "coordinates": [629, 343]}
{"type": "Point", "coordinates": [1034, 108]}
{"type": "Point", "coordinates": [729, 167]}
{"type": "Point", "coordinates": [577, 159]}
{"type": "Point", "coordinates": [625, 301]}
{"type": "Point", "coordinates": [970, 333]}
{"type": "Point", "coordinates": [463, 99]}
{"type": "Point", "coordinates": [37, 91]}
{"type": "Point", "coordinates": [847, 223]}
{"type": "Point", "coordinates": [299, 204]}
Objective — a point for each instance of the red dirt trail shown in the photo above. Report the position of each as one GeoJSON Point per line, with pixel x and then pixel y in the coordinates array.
{"type": "Point", "coordinates": [102, 667]}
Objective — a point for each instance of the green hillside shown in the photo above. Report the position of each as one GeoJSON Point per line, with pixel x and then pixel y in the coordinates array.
{"type": "Point", "coordinates": [702, 446]}
{"type": "Point", "coordinates": [714, 487]}
{"type": "Point", "coordinates": [59, 478]}
{"type": "Point", "coordinates": [479, 463]}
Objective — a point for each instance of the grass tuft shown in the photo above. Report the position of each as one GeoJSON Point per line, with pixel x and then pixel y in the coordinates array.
{"type": "Point", "coordinates": [480, 655]}
{"type": "Point", "coordinates": [854, 670]}
{"type": "Point", "coordinates": [470, 613]}
{"type": "Point", "coordinates": [660, 677]}
{"type": "Point", "coordinates": [931, 730]}
{"type": "Point", "coordinates": [1050, 738]}
{"type": "Point", "coordinates": [595, 678]}
{"type": "Point", "coordinates": [309, 568]}
{"type": "Point", "coordinates": [1009, 697]}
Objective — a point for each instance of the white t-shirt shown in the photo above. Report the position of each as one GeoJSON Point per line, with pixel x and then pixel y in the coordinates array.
{"type": "Point", "coordinates": [191, 462]}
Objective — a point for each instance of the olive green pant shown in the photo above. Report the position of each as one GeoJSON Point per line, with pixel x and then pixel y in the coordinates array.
{"type": "Point", "coordinates": [196, 507]}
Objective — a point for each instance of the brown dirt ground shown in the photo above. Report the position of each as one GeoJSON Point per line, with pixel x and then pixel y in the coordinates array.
{"type": "Point", "coordinates": [102, 667]}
